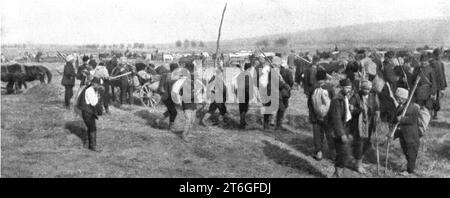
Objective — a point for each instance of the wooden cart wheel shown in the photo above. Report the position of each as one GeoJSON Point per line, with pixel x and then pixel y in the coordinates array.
{"type": "Point", "coordinates": [148, 97]}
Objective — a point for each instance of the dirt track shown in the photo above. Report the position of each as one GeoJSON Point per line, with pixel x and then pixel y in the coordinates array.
{"type": "Point", "coordinates": [42, 139]}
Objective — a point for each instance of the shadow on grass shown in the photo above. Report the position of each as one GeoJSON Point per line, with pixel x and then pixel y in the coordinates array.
{"type": "Point", "coordinates": [151, 118]}
{"type": "Point", "coordinates": [444, 150]}
{"type": "Point", "coordinates": [77, 128]}
{"type": "Point", "coordinates": [299, 122]}
{"type": "Point", "coordinates": [440, 124]}
{"type": "Point", "coordinates": [283, 157]}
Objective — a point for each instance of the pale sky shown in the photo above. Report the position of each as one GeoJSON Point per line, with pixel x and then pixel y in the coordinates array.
{"type": "Point", "coordinates": [165, 21]}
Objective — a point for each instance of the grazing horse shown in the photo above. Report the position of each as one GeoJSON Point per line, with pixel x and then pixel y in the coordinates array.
{"type": "Point", "coordinates": [18, 75]}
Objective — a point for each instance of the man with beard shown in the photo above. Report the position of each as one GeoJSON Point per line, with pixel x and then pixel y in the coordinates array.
{"type": "Point", "coordinates": [339, 115]}
{"type": "Point", "coordinates": [364, 106]}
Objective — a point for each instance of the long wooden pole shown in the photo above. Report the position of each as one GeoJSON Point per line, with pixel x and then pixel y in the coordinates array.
{"type": "Point", "coordinates": [390, 135]}
{"type": "Point", "coordinates": [218, 37]}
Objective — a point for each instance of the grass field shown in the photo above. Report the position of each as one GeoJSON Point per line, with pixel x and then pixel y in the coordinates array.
{"type": "Point", "coordinates": [40, 138]}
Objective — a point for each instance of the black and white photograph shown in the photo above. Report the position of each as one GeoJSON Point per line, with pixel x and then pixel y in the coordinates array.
{"type": "Point", "coordinates": [225, 89]}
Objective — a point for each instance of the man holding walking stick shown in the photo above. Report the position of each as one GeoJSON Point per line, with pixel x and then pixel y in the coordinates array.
{"type": "Point", "coordinates": [408, 129]}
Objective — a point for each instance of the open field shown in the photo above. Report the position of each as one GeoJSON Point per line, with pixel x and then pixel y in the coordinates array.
{"type": "Point", "coordinates": [40, 138]}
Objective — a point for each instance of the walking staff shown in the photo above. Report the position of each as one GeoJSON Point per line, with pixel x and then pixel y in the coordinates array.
{"type": "Point", "coordinates": [390, 135]}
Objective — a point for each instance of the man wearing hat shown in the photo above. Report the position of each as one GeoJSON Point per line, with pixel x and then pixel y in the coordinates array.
{"type": "Point", "coordinates": [285, 85]}
{"type": "Point", "coordinates": [300, 67]}
{"type": "Point", "coordinates": [364, 106]}
{"type": "Point", "coordinates": [386, 96]}
{"type": "Point", "coordinates": [441, 81]}
{"type": "Point", "coordinates": [408, 130]}
{"type": "Point", "coordinates": [91, 108]}
{"type": "Point", "coordinates": [310, 84]}
{"type": "Point", "coordinates": [321, 127]}
{"type": "Point", "coordinates": [388, 70]}
{"type": "Point", "coordinates": [101, 72]}
{"type": "Point", "coordinates": [339, 116]}
{"type": "Point", "coordinates": [68, 80]}
{"type": "Point", "coordinates": [84, 71]}
{"type": "Point", "coordinates": [427, 86]}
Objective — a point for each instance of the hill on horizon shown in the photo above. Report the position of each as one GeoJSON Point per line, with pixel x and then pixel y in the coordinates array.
{"type": "Point", "coordinates": [393, 34]}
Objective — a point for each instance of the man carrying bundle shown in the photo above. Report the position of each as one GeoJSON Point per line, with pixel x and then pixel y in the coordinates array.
{"type": "Point", "coordinates": [408, 130]}
{"type": "Point", "coordinates": [321, 99]}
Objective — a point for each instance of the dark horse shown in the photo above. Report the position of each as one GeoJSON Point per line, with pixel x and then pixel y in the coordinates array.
{"type": "Point", "coordinates": [18, 75]}
{"type": "Point", "coordinates": [125, 83]}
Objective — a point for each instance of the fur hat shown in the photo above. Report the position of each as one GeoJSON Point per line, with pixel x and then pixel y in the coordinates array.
{"type": "Point", "coordinates": [436, 52]}
{"type": "Point", "coordinates": [365, 84]}
{"type": "Point", "coordinates": [390, 54]}
{"type": "Point", "coordinates": [424, 58]}
{"type": "Point", "coordinates": [247, 65]}
{"type": "Point", "coordinates": [321, 74]}
{"type": "Point", "coordinates": [402, 93]}
{"type": "Point", "coordinates": [85, 58]}
{"type": "Point", "coordinates": [345, 82]}
{"type": "Point", "coordinates": [173, 66]}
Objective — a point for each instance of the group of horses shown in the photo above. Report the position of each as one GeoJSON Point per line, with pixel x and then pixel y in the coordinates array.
{"type": "Point", "coordinates": [16, 75]}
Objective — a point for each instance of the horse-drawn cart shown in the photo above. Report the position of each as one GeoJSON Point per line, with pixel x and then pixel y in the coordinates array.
{"type": "Point", "coordinates": [145, 85]}
{"type": "Point", "coordinates": [147, 91]}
